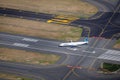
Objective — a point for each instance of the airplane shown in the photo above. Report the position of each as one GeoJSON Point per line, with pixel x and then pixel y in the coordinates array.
{"type": "Point", "coordinates": [74, 44]}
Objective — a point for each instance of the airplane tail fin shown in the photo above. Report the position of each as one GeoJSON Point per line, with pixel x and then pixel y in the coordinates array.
{"type": "Point", "coordinates": [86, 39]}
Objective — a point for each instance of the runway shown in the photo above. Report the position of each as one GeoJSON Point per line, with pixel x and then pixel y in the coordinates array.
{"type": "Point", "coordinates": [49, 46]}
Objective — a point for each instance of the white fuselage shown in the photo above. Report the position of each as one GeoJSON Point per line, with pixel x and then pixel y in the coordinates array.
{"type": "Point", "coordinates": [73, 44]}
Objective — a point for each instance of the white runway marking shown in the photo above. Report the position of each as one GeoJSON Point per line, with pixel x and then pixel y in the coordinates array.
{"type": "Point", "coordinates": [21, 45]}
{"type": "Point", "coordinates": [27, 46]}
{"type": "Point", "coordinates": [30, 39]}
{"type": "Point", "coordinates": [74, 49]}
{"type": "Point", "coordinates": [21, 37]}
{"type": "Point", "coordinates": [89, 51]}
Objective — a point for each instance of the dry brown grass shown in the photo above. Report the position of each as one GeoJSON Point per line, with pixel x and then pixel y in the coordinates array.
{"type": "Point", "coordinates": [117, 45]}
{"type": "Point", "coordinates": [7, 76]}
{"type": "Point", "coordinates": [66, 7]}
{"type": "Point", "coordinates": [39, 29]}
{"type": "Point", "coordinates": [12, 77]}
{"type": "Point", "coordinates": [27, 57]}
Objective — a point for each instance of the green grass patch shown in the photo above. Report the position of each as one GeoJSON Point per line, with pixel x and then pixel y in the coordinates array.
{"type": "Point", "coordinates": [118, 41]}
{"type": "Point", "coordinates": [111, 67]}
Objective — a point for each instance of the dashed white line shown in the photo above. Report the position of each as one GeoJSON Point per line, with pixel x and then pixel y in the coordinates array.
{"type": "Point", "coordinates": [89, 51]}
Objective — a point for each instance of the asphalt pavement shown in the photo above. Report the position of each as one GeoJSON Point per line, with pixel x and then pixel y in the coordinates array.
{"type": "Point", "coordinates": [106, 20]}
{"type": "Point", "coordinates": [84, 56]}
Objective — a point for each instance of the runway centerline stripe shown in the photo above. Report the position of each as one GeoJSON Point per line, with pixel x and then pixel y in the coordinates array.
{"type": "Point", "coordinates": [20, 44]}
{"type": "Point", "coordinates": [30, 39]}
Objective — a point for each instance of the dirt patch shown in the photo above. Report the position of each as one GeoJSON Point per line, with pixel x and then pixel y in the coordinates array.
{"type": "Point", "coordinates": [62, 7]}
{"type": "Point", "coordinates": [39, 29]}
{"type": "Point", "coordinates": [117, 45]}
{"type": "Point", "coordinates": [27, 57]}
